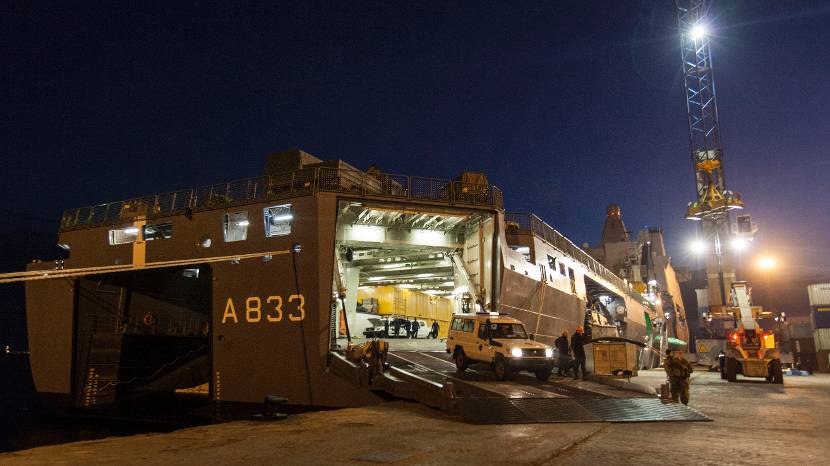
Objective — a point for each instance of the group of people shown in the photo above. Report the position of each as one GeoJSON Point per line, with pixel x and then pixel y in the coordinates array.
{"type": "Point", "coordinates": [411, 328]}
{"type": "Point", "coordinates": [679, 371]}
{"type": "Point", "coordinates": [571, 353]}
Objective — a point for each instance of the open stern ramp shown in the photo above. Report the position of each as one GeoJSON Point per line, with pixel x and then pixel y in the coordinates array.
{"type": "Point", "coordinates": [430, 377]}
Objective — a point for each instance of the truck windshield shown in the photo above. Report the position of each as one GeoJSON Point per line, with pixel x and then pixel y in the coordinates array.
{"type": "Point", "coordinates": [507, 331]}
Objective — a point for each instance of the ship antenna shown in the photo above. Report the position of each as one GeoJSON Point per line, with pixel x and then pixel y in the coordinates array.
{"type": "Point", "coordinates": [295, 249]}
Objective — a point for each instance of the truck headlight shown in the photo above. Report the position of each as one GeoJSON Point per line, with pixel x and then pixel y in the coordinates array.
{"type": "Point", "coordinates": [548, 352]}
{"type": "Point", "coordinates": [516, 352]}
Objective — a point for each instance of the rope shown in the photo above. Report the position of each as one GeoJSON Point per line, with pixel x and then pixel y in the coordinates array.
{"type": "Point", "coordinates": [294, 252]}
{"type": "Point", "coordinates": [79, 272]}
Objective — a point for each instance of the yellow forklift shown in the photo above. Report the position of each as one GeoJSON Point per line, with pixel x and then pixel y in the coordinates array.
{"type": "Point", "coordinates": [750, 350]}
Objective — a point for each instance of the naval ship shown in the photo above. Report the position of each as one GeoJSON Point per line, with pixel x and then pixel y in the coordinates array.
{"type": "Point", "coordinates": [247, 288]}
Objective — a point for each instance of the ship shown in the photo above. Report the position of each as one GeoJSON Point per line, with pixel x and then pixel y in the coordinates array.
{"type": "Point", "coordinates": [242, 289]}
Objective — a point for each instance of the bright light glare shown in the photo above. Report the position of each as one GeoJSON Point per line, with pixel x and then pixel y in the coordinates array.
{"type": "Point", "coordinates": [698, 247]}
{"type": "Point", "coordinates": [739, 244]}
{"type": "Point", "coordinates": [130, 231]}
{"type": "Point", "coordinates": [698, 32]}
{"type": "Point", "coordinates": [767, 263]}
{"type": "Point", "coordinates": [516, 352]}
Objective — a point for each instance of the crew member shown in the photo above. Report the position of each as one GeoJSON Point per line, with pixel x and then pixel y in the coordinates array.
{"type": "Point", "coordinates": [435, 329]}
{"type": "Point", "coordinates": [577, 342]}
{"type": "Point", "coordinates": [415, 327]}
{"type": "Point", "coordinates": [687, 374]}
{"type": "Point", "coordinates": [678, 373]}
{"type": "Point", "coordinates": [397, 326]}
{"type": "Point", "coordinates": [563, 360]}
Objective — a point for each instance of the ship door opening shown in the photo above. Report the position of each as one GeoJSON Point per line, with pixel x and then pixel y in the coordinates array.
{"type": "Point", "coordinates": [143, 334]}
{"type": "Point", "coordinates": [402, 270]}
{"type": "Point", "coordinates": [605, 313]}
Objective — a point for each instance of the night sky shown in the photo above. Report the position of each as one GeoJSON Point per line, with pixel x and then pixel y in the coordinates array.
{"type": "Point", "coordinates": [568, 106]}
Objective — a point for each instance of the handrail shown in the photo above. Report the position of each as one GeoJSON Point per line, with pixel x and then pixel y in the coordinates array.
{"type": "Point", "coordinates": [530, 223]}
{"type": "Point", "coordinates": [302, 182]}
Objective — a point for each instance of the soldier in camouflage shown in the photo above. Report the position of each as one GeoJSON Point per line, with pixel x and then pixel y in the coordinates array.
{"type": "Point", "coordinates": [679, 371]}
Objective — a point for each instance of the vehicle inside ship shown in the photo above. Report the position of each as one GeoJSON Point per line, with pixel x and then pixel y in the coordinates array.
{"type": "Point", "coordinates": [142, 333]}
{"type": "Point", "coordinates": [401, 265]}
{"type": "Point", "coordinates": [605, 311]}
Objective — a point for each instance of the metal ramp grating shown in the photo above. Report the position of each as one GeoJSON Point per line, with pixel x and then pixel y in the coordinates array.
{"type": "Point", "coordinates": [640, 410]}
{"type": "Point", "coordinates": [551, 410]}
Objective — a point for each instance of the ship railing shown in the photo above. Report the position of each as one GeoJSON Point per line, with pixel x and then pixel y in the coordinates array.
{"type": "Point", "coordinates": [530, 223]}
{"type": "Point", "coordinates": [285, 185]}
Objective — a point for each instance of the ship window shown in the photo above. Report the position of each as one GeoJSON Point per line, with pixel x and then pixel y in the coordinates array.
{"type": "Point", "coordinates": [160, 231]}
{"type": "Point", "coordinates": [552, 262]}
{"type": "Point", "coordinates": [123, 235]}
{"type": "Point", "coordinates": [561, 268]}
{"type": "Point", "coordinates": [277, 220]}
{"type": "Point", "coordinates": [236, 226]}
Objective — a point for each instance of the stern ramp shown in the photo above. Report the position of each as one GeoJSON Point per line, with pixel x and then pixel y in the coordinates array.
{"type": "Point", "coordinates": [430, 378]}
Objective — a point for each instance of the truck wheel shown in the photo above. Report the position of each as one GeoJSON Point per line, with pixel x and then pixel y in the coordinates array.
{"type": "Point", "coordinates": [543, 374]}
{"type": "Point", "coordinates": [461, 361]}
{"type": "Point", "coordinates": [776, 371]}
{"type": "Point", "coordinates": [731, 369]}
{"type": "Point", "coordinates": [501, 368]}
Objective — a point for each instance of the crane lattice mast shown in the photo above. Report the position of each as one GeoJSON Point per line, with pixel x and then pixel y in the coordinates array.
{"type": "Point", "coordinates": [714, 201]}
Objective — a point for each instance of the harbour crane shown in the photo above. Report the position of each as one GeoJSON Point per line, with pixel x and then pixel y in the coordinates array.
{"type": "Point", "coordinates": [714, 202]}
{"type": "Point", "coordinates": [748, 349]}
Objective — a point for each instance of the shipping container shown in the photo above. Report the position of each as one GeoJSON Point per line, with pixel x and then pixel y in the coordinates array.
{"type": "Point", "coordinates": [822, 339]}
{"type": "Point", "coordinates": [819, 294]}
{"type": "Point", "coordinates": [823, 361]}
{"type": "Point", "coordinates": [820, 316]}
{"type": "Point", "coordinates": [800, 330]}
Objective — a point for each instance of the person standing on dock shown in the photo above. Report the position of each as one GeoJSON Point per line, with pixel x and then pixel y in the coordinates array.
{"type": "Point", "coordinates": [577, 343]}
{"type": "Point", "coordinates": [679, 370]}
{"type": "Point", "coordinates": [563, 359]}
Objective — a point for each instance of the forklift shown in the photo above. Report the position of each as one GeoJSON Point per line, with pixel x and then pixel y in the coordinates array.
{"type": "Point", "coordinates": [750, 350]}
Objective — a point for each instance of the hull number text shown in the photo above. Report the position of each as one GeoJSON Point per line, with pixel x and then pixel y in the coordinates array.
{"type": "Point", "coordinates": [270, 309]}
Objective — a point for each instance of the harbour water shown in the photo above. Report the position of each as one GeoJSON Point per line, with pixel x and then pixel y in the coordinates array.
{"type": "Point", "coordinates": [27, 422]}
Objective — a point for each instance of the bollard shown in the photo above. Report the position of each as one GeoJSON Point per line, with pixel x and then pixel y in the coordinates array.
{"type": "Point", "coordinates": [271, 409]}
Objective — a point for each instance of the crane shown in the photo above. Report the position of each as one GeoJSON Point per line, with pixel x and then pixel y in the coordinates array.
{"type": "Point", "coordinates": [714, 202]}
{"type": "Point", "coordinates": [748, 349]}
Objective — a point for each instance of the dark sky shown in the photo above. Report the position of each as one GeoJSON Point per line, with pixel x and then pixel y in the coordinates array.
{"type": "Point", "coordinates": [568, 106]}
